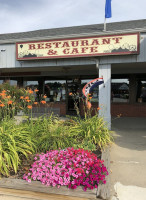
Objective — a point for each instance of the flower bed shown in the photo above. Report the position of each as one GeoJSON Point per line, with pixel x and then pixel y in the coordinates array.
{"type": "Point", "coordinates": [70, 167]}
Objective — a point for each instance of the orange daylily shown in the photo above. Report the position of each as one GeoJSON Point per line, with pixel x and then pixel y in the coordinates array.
{"type": "Point", "coordinates": [10, 102]}
{"type": "Point", "coordinates": [2, 94]}
{"type": "Point", "coordinates": [45, 96]}
{"type": "Point", "coordinates": [43, 102]}
{"type": "Point", "coordinates": [36, 90]}
{"type": "Point", "coordinates": [98, 108]}
{"type": "Point", "coordinates": [9, 97]}
{"type": "Point", "coordinates": [3, 91]}
{"type": "Point", "coordinates": [70, 93]}
{"type": "Point", "coordinates": [27, 97]}
{"type": "Point", "coordinates": [2, 105]}
{"type": "Point", "coordinates": [89, 105]}
{"type": "Point", "coordinates": [21, 97]}
{"type": "Point", "coordinates": [29, 107]}
{"type": "Point", "coordinates": [28, 100]}
{"type": "Point", "coordinates": [35, 103]}
{"type": "Point", "coordinates": [30, 91]}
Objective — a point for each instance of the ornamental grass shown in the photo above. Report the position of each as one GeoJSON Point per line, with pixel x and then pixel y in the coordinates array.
{"type": "Point", "coordinates": [15, 142]}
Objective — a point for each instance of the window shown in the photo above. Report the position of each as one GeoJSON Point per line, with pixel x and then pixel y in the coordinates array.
{"type": "Point", "coordinates": [120, 90]}
{"type": "Point", "coordinates": [55, 90]}
{"type": "Point", "coordinates": [141, 91]}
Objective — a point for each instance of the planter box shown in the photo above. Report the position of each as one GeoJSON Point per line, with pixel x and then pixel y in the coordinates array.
{"type": "Point", "coordinates": [103, 191]}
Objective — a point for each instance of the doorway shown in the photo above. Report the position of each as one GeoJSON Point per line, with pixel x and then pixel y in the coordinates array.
{"type": "Point", "coordinates": [73, 91]}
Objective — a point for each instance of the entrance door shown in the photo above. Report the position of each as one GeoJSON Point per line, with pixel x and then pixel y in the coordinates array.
{"type": "Point", "coordinates": [72, 96]}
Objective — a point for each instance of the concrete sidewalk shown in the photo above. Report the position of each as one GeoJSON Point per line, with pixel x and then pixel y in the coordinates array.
{"type": "Point", "coordinates": [128, 157]}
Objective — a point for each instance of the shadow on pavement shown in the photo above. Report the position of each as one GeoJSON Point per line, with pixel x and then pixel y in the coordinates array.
{"type": "Point", "coordinates": [130, 132]}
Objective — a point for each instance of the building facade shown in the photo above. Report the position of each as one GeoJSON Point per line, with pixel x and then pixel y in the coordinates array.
{"type": "Point", "coordinates": [59, 62]}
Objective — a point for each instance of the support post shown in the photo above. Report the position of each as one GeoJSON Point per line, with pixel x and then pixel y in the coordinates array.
{"type": "Point", "coordinates": [105, 93]}
{"type": "Point", "coordinates": [20, 82]}
{"type": "Point", "coordinates": [132, 88]}
{"type": "Point", "coordinates": [24, 83]}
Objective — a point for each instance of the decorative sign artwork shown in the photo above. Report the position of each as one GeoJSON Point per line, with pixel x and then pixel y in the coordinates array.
{"type": "Point", "coordinates": [79, 47]}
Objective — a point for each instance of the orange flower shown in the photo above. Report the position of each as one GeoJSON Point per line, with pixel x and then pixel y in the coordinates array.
{"type": "Point", "coordinates": [98, 108]}
{"type": "Point", "coordinates": [35, 103]}
{"type": "Point", "coordinates": [89, 105]}
{"type": "Point", "coordinates": [2, 105]}
{"type": "Point", "coordinates": [43, 102]}
{"type": "Point", "coordinates": [21, 97]}
{"type": "Point", "coordinates": [70, 93]}
{"type": "Point", "coordinates": [36, 90]}
{"type": "Point", "coordinates": [90, 97]}
{"type": "Point", "coordinates": [9, 97]}
{"type": "Point", "coordinates": [29, 107]}
{"type": "Point", "coordinates": [10, 102]}
{"type": "Point", "coordinates": [27, 97]}
{"type": "Point", "coordinates": [3, 91]}
{"type": "Point", "coordinates": [30, 91]}
{"type": "Point", "coordinates": [2, 94]}
{"type": "Point", "coordinates": [28, 100]}
{"type": "Point", "coordinates": [45, 96]}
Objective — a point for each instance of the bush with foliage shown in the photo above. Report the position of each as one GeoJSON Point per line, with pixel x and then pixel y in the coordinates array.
{"type": "Point", "coordinates": [69, 167]}
{"type": "Point", "coordinates": [15, 142]}
{"type": "Point", "coordinates": [90, 132]}
{"type": "Point", "coordinates": [49, 133]}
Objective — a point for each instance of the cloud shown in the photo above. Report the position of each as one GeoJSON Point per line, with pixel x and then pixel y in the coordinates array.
{"type": "Point", "coordinates": [19, 15]}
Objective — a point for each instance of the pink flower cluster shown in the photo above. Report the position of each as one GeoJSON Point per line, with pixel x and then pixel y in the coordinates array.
{"type": "Point", "coordinates": [70, 167]}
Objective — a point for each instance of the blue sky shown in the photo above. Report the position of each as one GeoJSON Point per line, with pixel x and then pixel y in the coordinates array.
{"type": "Point", "coordinates": [20, 15]}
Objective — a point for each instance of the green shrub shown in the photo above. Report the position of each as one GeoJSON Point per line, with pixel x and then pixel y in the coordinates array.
{"type": "Point", "coordinates": [49, 133]}
{"type": "Point", "coordinates": [15, 142]}
{"type": "Point", "coordinates": [90, 133]}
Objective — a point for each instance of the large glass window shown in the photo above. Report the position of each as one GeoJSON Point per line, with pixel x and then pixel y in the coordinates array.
{"type": "Point", "coordinates": [55, 90]}
{"type": "Point", "coordinates": [141, 91]}
{"type": "Point", "coordinates": [1, 82]}
{"type": "Point", "coordinates": [31, 84]}
{"type": "Point", "coordinates": [120, 90]}
{"type": "Point", "coordinates": [13, 82]}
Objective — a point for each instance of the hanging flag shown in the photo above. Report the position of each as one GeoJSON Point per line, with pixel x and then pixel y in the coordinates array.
{"type": "Point", "coordinates": [108, 9]}
{"type": "Point", "coordinates": [89, 87]}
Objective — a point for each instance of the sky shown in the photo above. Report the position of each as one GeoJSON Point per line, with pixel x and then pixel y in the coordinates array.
{"type": "Point", "coordinates": [28, 15]}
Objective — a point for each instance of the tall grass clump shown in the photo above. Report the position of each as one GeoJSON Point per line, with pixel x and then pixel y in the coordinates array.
{"type": "Point", "coordinates": [49, 133]}
{"type": "Point", "coordinates": [90, 132]}
{"type": "Point", "coordinates": [15, 142]}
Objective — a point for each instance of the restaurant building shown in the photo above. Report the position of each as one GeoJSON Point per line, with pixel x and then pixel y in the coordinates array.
{"type": "Point", "coordinates": [59, 62]}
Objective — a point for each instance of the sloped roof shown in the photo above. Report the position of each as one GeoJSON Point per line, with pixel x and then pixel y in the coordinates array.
{"type": "Point", "coordinates": [125, 26]}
